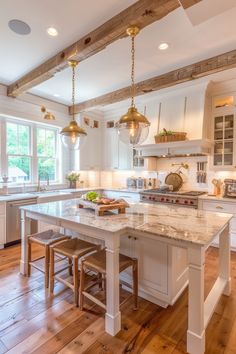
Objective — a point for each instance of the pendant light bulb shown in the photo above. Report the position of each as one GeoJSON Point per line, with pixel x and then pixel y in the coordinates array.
{"type": "Point", "coordinates": [133, 127]}
{"type": "Point", "coordinates": [73, 135]}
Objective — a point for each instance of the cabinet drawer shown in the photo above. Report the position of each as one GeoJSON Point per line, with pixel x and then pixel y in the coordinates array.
{"type": "Point", "coordinates": [220, 207]}
{"type": "Point", "coordinates": [2, 209]}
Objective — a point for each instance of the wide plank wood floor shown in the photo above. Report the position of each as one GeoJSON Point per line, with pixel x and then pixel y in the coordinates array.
{"type": "Point", "coordinates": [32, 321]}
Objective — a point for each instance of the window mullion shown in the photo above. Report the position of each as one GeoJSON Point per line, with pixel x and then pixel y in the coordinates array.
{"type": "Point", "coordinates": [34, 155]}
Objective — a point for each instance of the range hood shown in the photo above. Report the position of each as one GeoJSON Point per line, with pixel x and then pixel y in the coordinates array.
{"type": "Point", "coordinates": [198, 147]}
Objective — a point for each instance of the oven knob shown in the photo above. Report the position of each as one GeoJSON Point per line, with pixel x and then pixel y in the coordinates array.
{"type": "Point", "coordinates": [150, 198]}
{"type": "Point", "coordinates": [167, 200]}
{"type": "Point", "coordinates": [185, 202]}
{"type": "Point", "coordinates": [162, 199]}
{"type": "Point", "coordinates": [191, 202]}
{"type": "Point", "coordinates": [177, 201]}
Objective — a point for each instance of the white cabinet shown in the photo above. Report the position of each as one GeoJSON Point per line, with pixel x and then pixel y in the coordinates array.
{"type": "Point", "coordinates": [90, 154]}
{"type": "Point", "coordinates": [2, 224]}
{"type": "Point", "coordinates": [163, 272]}
{"type": "Point", "coordinates": [222, 206]}
{"type": "Point", "coordinates": [115, 154]}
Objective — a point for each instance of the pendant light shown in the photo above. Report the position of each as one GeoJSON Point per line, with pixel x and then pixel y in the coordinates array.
{"type": "Point", "coordinates": [73, 135]}
{"type": "Point", "coordinates": [133, 127]}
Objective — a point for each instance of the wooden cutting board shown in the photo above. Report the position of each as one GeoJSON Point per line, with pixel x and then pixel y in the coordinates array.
{"type": "Point", "coordinates": [100, 209]}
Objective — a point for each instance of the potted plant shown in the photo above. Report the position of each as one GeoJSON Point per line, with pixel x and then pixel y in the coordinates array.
{"type": "Point", "coordinates": [73, 177]}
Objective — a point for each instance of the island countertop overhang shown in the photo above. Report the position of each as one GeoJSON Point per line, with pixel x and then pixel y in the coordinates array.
{"type": "Point", "coordinates": [180, 224]}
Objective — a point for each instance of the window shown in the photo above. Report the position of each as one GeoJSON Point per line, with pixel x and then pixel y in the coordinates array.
{"type": "Point", "coordinates": [18, 152]}
{"type": "Point", "coordinates": [46, 153]}
{"type": "Point", "coordinates": [31, 150]}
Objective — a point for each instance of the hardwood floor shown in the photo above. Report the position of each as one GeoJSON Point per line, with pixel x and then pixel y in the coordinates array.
{"type": "Point", "coordinates": [31, 321]}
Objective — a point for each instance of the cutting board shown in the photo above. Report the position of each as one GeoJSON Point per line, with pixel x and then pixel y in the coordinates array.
{"type": "Point", "coordinates": [100, 209]}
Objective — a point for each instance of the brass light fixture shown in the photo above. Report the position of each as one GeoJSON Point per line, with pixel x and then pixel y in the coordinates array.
{"type": "Point", "coordinates": [73, 135]}
{"type": "Point", "coordinates": [46, 114]}
{"type": "Point", "coordinates": [133, 127]}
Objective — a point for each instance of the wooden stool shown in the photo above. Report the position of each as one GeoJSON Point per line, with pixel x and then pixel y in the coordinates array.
{"type": "Point", "coordinates": [97, 263]}
{"type": "Point", "coordinates": [45, 239]}
{"type": "Point", "coordinates": [73, 249]}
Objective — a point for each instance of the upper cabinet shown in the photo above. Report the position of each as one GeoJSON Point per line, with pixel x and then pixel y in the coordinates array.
{"type": "Point", "coordinates": [115, 154]}
{"type": "Point", "coordinates": [223, 133]}
{"type": "Point", "coordinates": [89, 157]}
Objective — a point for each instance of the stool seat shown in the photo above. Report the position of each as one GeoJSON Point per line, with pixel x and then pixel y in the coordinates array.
{"type": "Point", "coordinates": [97, 262]}
{"type": "Point", "coordinates": [47, 238]}
{"type": "Point", "coordinates": [74, 248]}
{"type": "Point", "coordinates": [44, 239]}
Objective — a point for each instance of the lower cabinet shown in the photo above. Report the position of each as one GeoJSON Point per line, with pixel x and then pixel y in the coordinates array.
{"type": "Point", "coordinates": [2, 224]}
{"type": "Point", "coordinates": [222, 206]}
{"type": "Point", "coordinates": [163, 272]}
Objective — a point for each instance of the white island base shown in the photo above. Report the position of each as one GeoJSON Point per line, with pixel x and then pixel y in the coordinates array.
{"type": "Point", "coordinates": [159, 232]}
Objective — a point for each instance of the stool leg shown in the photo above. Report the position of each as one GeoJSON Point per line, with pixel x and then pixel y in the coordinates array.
{"type": "Point", "coordinates": [29, 250]}
{"type": "Point", "coordinates": [76, 280]}
{"type": "Point", "coordinates": [81, 287]}
{"type": "Point", "coordinates": [135, 284]}
{"type": "Point", "coordinates": [46, 266]}
{"type": "Point", "coordinates": [70, 266]}
{"type": "Point", "coordinates": [52, 265]}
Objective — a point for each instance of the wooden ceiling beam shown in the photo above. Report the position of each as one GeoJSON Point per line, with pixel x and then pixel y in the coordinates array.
{"type": "Point", "coordinates": [142, 13]}
{"type": "Point", "coordinates": [188, 3]}
{"type": "Point", "coordinates": [188, 73]}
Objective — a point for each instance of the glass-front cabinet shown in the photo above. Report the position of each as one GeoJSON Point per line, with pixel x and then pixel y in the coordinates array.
{"type": "Point", "coordinates": [224, 141]}
{"type": "Point", "coordinates": [224, 132]}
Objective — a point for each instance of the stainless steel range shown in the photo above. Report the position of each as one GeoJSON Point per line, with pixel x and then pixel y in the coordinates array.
{"type": "Point", "coordinates": [187, 199]}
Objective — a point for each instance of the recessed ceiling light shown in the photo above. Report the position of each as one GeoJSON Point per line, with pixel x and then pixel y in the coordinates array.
{"type": "Point", "coordinates": [19, 27]}
{"type": "Point", "coordinates": [52, 31]}
{"type": "Point", "coordinates": [163, 46]}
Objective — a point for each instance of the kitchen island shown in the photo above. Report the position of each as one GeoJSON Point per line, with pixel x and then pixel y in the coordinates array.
{"type": "Point", "coordinates": [190, 229]}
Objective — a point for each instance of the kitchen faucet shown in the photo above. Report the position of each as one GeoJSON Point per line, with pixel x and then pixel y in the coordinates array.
{"type": "Point", "coordinates": [39, 180]}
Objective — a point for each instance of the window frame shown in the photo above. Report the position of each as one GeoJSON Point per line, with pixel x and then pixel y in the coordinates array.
{"type": "Point", "coordinates": [33, 178]}
{"type": "Point", "coordinates": [22, 123]}
{"type": "Point", "coordinates": [56, 158]}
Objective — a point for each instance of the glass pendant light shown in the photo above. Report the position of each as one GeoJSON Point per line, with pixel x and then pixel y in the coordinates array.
{"type": "Point", "coordinates": [73, 135]}
{"type": "Point", "coordinates": [133, 127]}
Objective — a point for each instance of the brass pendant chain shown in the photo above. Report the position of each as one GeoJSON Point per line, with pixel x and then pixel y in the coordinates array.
{"type": "Point", "coordinates": [73, 92]}
{"type": "Point", "coordinates": [132, 72]}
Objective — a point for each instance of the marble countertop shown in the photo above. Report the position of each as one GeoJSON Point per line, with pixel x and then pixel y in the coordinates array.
{"type": "Point", "coordinates": [19, 196]}
{"type": "Point", "coordinates": [183, 224]}
{"type": "Point", "coordinates": [217, 198]}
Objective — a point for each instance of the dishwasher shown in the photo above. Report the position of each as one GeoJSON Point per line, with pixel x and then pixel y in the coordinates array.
{"type": "Point", "coordinates": [13, 224]}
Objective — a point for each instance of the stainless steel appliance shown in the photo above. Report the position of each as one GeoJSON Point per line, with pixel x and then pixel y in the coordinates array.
{"type": "Point", "coordinates": [141, 183]}
{"type": "Point", "coordinates": [13, 219]}
{"type": "Point", "coordinates": [187, 199]}
{"type": "Point", "coordinates": [131, 182]}
{"type": "Point", "coordinates": [230, 188]}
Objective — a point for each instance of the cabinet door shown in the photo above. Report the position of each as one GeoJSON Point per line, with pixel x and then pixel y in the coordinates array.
{"type": "Point", "coordinates": [2, 230]}
{"type": "Point", "coordinates": [224, 141]}
{"type": "Point", "coordinates": [125, 156]}
{"type": "Point", "coordinates": [153, 265]}
{"type": "Point", "coordinates": [90, 153]}
{"type": "Point", "coordinates": [110, 149]}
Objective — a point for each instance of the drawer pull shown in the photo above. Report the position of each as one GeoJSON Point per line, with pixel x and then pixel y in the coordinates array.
{"type": "Point", "coordinates": [219, 207]}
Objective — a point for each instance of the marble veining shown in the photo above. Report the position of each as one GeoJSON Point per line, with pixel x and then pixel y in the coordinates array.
{"type": "Point", "coordinates": [190, 225]}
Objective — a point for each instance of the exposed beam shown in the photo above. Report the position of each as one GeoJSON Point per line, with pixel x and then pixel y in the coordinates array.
{"type": "Point", "coordinates": [188, 73]}
{"type": "Point", "coordinates": [141, 13]}
{"type": "Point", "coordinates": [188, 3]}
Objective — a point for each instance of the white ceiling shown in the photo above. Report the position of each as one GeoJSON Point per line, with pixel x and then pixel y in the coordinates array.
{"type": "Point", "coordinates": [191, 37]}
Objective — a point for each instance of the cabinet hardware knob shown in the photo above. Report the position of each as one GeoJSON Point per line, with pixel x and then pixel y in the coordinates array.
{"type": "Point", "coordinates": [129, 237]}
{"type": "Point", "coordinates": [135, 238]}
{"type": "Point", "coordinates": [219, 207]}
